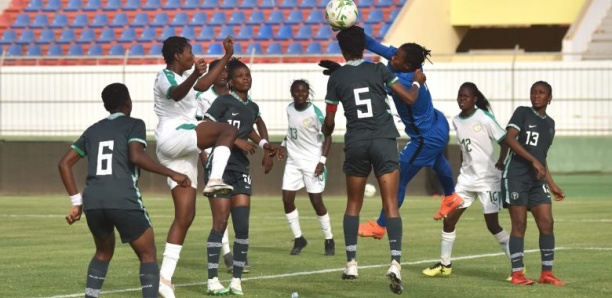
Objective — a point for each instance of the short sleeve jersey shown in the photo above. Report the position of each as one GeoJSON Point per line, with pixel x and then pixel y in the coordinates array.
{"type": "Point", "coordinates": [536, 135]}
{"type": "Point", "coordinates": [111, 177]}
{"type": "Point", "coordinates": [475, 134]}
{"type": "Point", "coordinates": [233, 110]}
{"type": "Point", "coordinates": [205, 100]}
{"type": "Point", "coordinates": [361, 89]}
{"type": "Point", "coordinates": [166, 108]}
{"type": "Point", "coordinates": [304, 137]}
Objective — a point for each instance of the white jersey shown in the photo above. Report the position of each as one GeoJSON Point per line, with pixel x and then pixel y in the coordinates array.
{"type": "Point", "coordinates": [205, 100]}
{"type": "Point", "coordinates": [475, 135]}
{"type": "Point", "coordinates": [304, 137]}
{"type": "Point", "coordinates": [171, 113]}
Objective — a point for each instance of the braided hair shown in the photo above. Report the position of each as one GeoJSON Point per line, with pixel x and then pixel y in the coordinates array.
{"type": "Point", "coordinates": [173, 45]}
{"type": "Point", "coordinates": [233, 64]}
{"type": "Point", "coordinates": [415, 54]}
{"type": "Point", "coordinates": [481, 101]}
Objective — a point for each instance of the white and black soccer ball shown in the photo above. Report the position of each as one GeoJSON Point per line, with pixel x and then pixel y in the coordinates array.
{"type": "Point", "coordinates": [341, 14]}
{"type": "Point", "coordinates": [370, 190]}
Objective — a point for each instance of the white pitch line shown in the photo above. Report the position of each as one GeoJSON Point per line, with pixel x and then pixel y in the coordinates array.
{"type": "Point", "coordinates": [469, 257]}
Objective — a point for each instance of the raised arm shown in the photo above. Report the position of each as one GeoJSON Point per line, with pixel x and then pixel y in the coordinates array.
{"type": "Point", "coordinates": [374, 46]}
{"type": "Point", "coordinates": [211, 76]}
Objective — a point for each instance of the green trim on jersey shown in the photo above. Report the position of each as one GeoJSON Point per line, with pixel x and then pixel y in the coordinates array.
{"type": "Point", "coordinates": [490, 115]}
{"type": "Point", "coordinates": [393, 81]}
{"type": "Point", "coordinates": [207, 115]}
{"type": "Point", "coordinates": [332, 102]}
{"type": "Point", "coordinates": [536, 113]}
{"type": "Point", "coordinates": [170, 76]}
{"type": "Point", "coordinates": [138, 140]}
{"type": "Point", "coordinates": [319, 114]}
{"type": "Point", "coordinates": [115, 115]}
{"type": "Point", "coordinates": [470, 115]}
{"type": "Point", "coordinates": [78, 150]}
{"type": "Point", "coordinates": [235, 95]}
{"type": "Point", "coordinates": [186, 126]}
{"type": "Point", "coordinates": [199, 93]}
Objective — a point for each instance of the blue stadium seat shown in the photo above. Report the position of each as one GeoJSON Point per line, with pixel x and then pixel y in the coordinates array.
{"type": "Point", "coordinates": [73, 5]}
{"type": "Point", "coordinates": [217, 19]}
{"type": "Point", "coordinates": [53, 6]}
{"type": "Point", "coordinates": [8, 37]}
{"type": "Point", "coordinates": [392, 16]}
{"type": "Point", "coordinates": [200, 18]}
{"type": "Point", "coordinates": [95, 50]}
{"type": "Point", "coordinates": [92, 5]}
{"type": "Point", "coordinates": [384, 3]}
{"type": "Point", "coordinates": [80, 21]}
{"type": "Point", "coordinates": [383, 31]}
{"type": "Point", "coordinates": [225, 31]}
{"type": "Point", "coordinates": [119, 20]}
{"type": "Point", "coordinates": [265, 32]}
{"type": "Point", "coordinates": [137, 50]}
{"type": "Point", "coordinates": [308, 4]}
{"type": "Point", "coordinates": [315, 17]}
{"type": "Point", "coordinates": [116, 50]}
{"type": "Point", "coordinates": [14, 50]}
{"type": "Point", "coordinates": [248, 4]}
{"type": "Point", "coordinates": [99, 21]}
{"type": "Point", "coordinates": [155, 50]}
{"type": "Point", "coordinates": [197, 49]}
{"type": "Point", "coordinates": [160, 20]}
{"type": "Point", "coordinates": [172, 5]}
{"type": "Point", "coordinates": [276, 17]}
{"type": "Point", "coordinates": [304, 33]}
{"type": "Point", "coordinates": [75, 50]}
{"type": "Point", "coordinates": [47, 36]}
{"type": "Point", "coordinates": [284, 33]}
{"type": "Point", "coordinates": [215, 49]}
{"type": "Point", "coordinates": [59, 21]}
{"type": "Point", "coordinates": [322, 3]}
{"type": "Point", "coordinates": [295, 17]}
{"type": "Point", "coordinates": [107, 36]}
{"type": "Point", "coordinates": [21, 21]}
{"type": "Point", "coordinates": [128, 35]}
{"type": "Point", "coordinates": [190, 5]}
{"type": "Point", "coordinates": [148, 35]}
{"type": "Point", "coordinates": [87, 36]}
{"type": "Point", "coordinates": [368, 29]}
{"type": "Point", "coordinates": [364, 3]}
{"type": "Point", "coordinates": [34, 50]}
{"type": "Point", "coordinates": [167, 32]}
{"type": "Point", "coordinates": [333, 48]}
{"type": "Point", "coordinates": [210, 4]}
{"type": "Point", "coordinates": [375, 16]}
{"type": "Point", "coordinates": [34, 5]}
{"type": "Point", "coordinates": [267, 4]}
{"type": "Point", "coordinates": [132, 5]}
{"type": "Point", "coordinates": [180, 19]}
{"type": "Point", "coordinates": [112, 5]}
{"type": "Point", "coordinates": [314, 48]}
{"type": "Point", "coordinates": [288, 4]}
{"type": "Point", "coordinates": [206, 34]}
{"type": "Point", "coordinates": [188, 32]}
{"type": "Point", "coordinates": [67, 36]}
{"type": "Point", "coordinates": [229, 4]}
{"type": "Point", "coordinates": [257, 18]}
{"type": "Point", "coordinates": [295, 48]}
{"type": "Point", "coordinates": [238, 48]}
{"type": "Point", "coordinates": [55, 50]}
{"type": "Point", "coordinates": [245, 33]}
{"type": "Point", "coordinates": [26, 37]}
{"type": "Point", "coordinates": [152, 5]}
{"type": "Point", "coordinates": [254, 48]}
{"type": "Point", "coordinates": [40, 21]}
{"type": "Point", "coordinates": [140, 20]}
{"type": "Point", "coordinates": [401, 3]}
{"type": "Point", "coordinates": [274, 48]}
{"type": "Point", "coordinates": [324, 33]}
{"type": "Point", "coordinates": [237, 18]}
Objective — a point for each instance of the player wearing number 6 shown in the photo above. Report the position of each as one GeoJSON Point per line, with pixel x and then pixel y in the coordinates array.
{"type": "Point", "coordinates": [480, 175]}
{"type": "Point", "coordinates": [527, 182]}
{"type": "Point", "coordinates": [370, 142]}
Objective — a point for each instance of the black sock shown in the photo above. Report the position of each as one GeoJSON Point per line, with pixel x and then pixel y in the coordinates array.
{"type": "Point", "coordinates": [213, 249]}
{"type": "Point", "coordinates": [149, 279]}
{"type": "Point", "coordinates": [96, 273]}
{"type": "Point", "coordinates": [394, 232]}
{"type": "Point", "coordinates": [351, 228]}
{"type": "Point", "coordinates": [240, 219]}
{"type": "Point", "coordinates": [547, 251]}
{"type": "Point", "coordinates": [516, 245]}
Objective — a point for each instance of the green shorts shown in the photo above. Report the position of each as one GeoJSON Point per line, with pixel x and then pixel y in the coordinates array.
{"type": "Point", "coordinates": [130, 224]}
{"type": "Point", "coordinates": [523, 192]}
{"type": "Point", "coordinates": [363, 155]}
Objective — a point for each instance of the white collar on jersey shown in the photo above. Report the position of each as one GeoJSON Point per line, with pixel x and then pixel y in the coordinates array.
{"type": "Point", "coordinates": [240, 99]}
{"type": "Point", "coordinates": [115, 115]}
{"type": "Point", "coordinates": [536, 113]}
{"type": "Point", "coordinates": [354, 62]}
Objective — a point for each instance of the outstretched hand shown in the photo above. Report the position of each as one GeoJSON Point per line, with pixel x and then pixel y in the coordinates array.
{"type": "Point", "coordinates": [330, 66]}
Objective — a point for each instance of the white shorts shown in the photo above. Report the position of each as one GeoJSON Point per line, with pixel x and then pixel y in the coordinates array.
{"type": "Point", "coordinates": [178, 150]}
{"type": "Point", "coordinates": [491, 200]}
{"type": "Point", "coordinates": [296, 177]}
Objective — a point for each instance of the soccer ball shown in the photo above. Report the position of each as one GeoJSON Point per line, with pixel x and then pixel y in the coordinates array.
{"type": "Point", "coordinates": [370, 190]}
{"type": "Point", "coordinates": [341, 14]}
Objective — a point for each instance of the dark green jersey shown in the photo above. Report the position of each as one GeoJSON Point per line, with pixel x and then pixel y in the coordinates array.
{"type": "Point", "coordinates": [536, 135]}
{"type": "Point", "coordinates": [111, 177]}
{"type": "Point", "coordinates": [231, 109]}
{"type": "Point", "coordinates": [361, 89]}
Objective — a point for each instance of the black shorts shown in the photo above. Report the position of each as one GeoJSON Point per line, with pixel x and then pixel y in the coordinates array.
{"type": "Point", "coordinates": [130, 224]}
{"type": "Point", "coordinates": [363, 155]}
{"type": "Point", "coordinates": [241, 182]}
{"type": "Point", "coordinates": [523, 192]}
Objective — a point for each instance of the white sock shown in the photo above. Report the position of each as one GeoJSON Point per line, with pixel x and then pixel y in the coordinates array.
{"type": "Point", "coordinates": [448, 239]}
{"type": "Point", "coordinates": [503, 239]}
{"type": "Point", "coordinates": [171, 257]}
{"type": "Point", "coordinates": [293, 218]}
{"type": "Point", "coordinates": [225, 249]}
{"type": "Point", "coordinates": [325, 226]}
{"type": "Point", "coordinates": [219, 161]}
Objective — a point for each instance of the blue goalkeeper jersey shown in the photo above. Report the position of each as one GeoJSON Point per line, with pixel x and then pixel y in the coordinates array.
{"type": "Point", "coordinates": [419, 117]}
